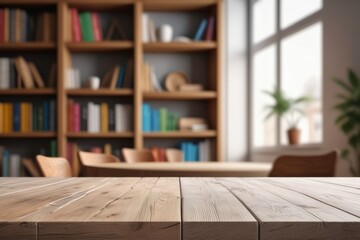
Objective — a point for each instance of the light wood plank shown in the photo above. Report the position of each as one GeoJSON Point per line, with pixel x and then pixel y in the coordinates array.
{"type": "Point", "coordinates": [281, 216]}
{"type": "Point", "coordinates": [13, 185]}
{"type": "Point", "coordinates": [212, 212]}
{"type": "Point", "coordinates": [124, 209]}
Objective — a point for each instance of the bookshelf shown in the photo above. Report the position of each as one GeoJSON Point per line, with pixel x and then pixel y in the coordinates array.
{"type": "Point", "coordinates": [67, 54]}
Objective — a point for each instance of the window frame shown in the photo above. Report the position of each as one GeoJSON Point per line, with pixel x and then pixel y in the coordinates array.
{"type": "Point", "coordinates": [276, 39]}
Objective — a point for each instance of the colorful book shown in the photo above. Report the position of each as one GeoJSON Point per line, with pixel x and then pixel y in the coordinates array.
{"type": "Point", "coordinates": [201, 30]}
{"type": "Point", "coordinates": [104, 117]}
{"type": "Point", "coordinates": [2, 26]}
{"type": "Point", "coordinates": [209, 35]}
{"type": "Point", "coordinates": [86, 27]}
{"type": "Point", "coordinates": [76, 32]}
{"type": "Point", "coordinates": [95, 19]}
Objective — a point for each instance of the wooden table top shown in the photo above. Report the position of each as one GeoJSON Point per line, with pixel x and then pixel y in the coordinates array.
{"type": "Point", "coordinates": [180, 208]}
{"type": "Point", "coordinates": [181, 169]}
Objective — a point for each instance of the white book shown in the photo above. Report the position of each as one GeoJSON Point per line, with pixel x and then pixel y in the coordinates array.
{"type": "Point", "coordinates": [97, 117]}
{"type": "Point", "coordinates": [207, 151]}
{"type": "Point", "coordinates": [118, 117]}
{"type": "Point", "coordinates": [69, 79]}
{"type": "Point", "coordinates": [89, 117]}
{"type": "Point", "coordinates": [155, 81]}
{"type": "Point", "coordinates": [15, 161]}
{"type": "Point", "coordinates": [5, 65]}
{"type": "Point", "coordinates": [145, 28]}
{"type": "Point", "coordinates": [77, 81]}
{"type": "Point", "coordinates": [123, 121]}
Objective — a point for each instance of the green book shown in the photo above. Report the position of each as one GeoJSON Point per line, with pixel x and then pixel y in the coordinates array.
{"type": "Point", "coordinates": [40, 119]}
{"type": "Point", "coordinates": [53, 152]}
{"type": "Point", "coordinates": [34, 120]}
{"type": "Point", "coordinates": [86, 27]}
{"type": "Point", "coordinates": [163, 119]}
{"type": "Point", "coordinates": [175, 121]}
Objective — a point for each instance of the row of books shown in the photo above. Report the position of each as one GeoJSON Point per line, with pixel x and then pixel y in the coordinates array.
{"type": "Point", "coordinates": [155, 120]}
{"type": "Point", "coordinates": [87, 27]}
{"type": "Point", "coordinates": [206, 30]}
{"type": "Point", "coordinates": [19, 73]}
{"type": "Point", "coordinates": [17, 25]}
{"type": "Point", "coordinates": [91, 117]}
{"type": "Point", "coordinates": [27, 117]}
{"type": "Point", "coordinates": [196, 152]}
{"type": "Point", "coordinates": [15, 165]}
{"type": "Point", "coordinates": [151, 82]}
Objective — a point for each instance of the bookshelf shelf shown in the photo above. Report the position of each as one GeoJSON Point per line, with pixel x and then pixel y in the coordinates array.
{"type": "Point", "coordinates": [28, 135]}
{"type": "Point", "coordinates": [99, 92]}
{"type": "Point", "coordinates": [27, 46]}
{"type": "Point", "coordinates": [179, 95]}
{"type": "Point", "coordinates": [39, 91]}
{"type": "Point", "coordinates": [181, 134]}
{"type": "Point", "coordinates": [100, 135]}
{"type": "Point", "coordinates": [178, 47]}
{"type": "Point", "coordinates": [99, 46]}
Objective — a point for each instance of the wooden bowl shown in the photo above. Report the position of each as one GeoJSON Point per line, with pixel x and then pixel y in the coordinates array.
{"type": "Point", "coordinates": [174, 80]}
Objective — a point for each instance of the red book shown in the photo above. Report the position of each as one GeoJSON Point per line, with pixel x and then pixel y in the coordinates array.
{"type": "Point", "coordinates": [209, 35]}
{"type": "Point", "coordinates": [77, 117]}
{"type": "Point", "coordinates": [2, 27]}
{"type": "Point", "coordinates": [95, 20]}
{"type": "Point", "coordinates": [69, 116]}
{"type": "Point", "coordinates": [76, 32]}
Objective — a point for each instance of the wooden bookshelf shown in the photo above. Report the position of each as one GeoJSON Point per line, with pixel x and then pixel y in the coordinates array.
{"type": "Point", "coordinates": [64, 50]}
{"type": "Point", "coordinates": [35, 91]}
{"type": "Point", "coordinates": [28, 135]}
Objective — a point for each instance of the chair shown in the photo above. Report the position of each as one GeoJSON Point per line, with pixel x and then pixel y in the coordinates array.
{"type": "Point", "coordinates": [133, 156]}
{"type": "Point", "coordinates": [89, 158]}
{"type": "Point", "coordinates": [54, 166]}
{"type": "Point", "coordinates": [173, 155]}
{"type": "Point", "coordinates": [305, 166]}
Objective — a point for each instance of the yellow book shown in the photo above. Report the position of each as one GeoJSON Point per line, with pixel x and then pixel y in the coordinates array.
{"type": "Point", "coordinates": [1, 118]}
{"type": "Point", "coordinates": [22, 117]}
{"type": "Point", "coordinates": [107, 149]}
{"type": "Point", "coordinates": [5, 113]}
{"type": "Point", "coordinates": [11, 119]}
{"type": "Point", "coordinates": [104, 117]}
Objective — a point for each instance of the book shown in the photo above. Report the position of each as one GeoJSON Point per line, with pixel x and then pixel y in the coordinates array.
{"type": "Point", "coordinates": [15, 164]}
{"type": "Point", "coordinates": [120, 79]}
{"type": "Point", "coordinates": [6, 163]}
{"type": "Point", "coordinates": [95, 19]}
{"type": "Point", "coordinates": [5, 70]}
{"type": "Point", "coordinates": [2, 22]}
{"type": "Point", "coordinates": [24, 72]}
{"type": "Point", "coordinates": [6, 25]}
{"type": "Point", "coordinates": [200, 31]}
{"type": "Point", "coordinates": [128, 74]}
{"type": "Point", "coordinates": [86, 27]}
{"type": "Point", "coordinates": [114, 77]}
{"type": "Point", "coordinates": [209, 35]}
{"type": "Point", "coordinates": [76, 31]}
{"type": "Point", "coordinates": [104, 117]}
{"type": "Point", "coordinates": [145, 29]}
{"type": "Point", "coordinates": [17, 24]}
{"type": "Point", "coordinates": [36, 75]}
{"type": "Point", "coordinates": [31, 167]}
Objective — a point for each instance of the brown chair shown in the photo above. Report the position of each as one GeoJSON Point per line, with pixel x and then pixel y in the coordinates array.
{"type": "Point", "coordinates": [133, 156]}
{"type": "Point", "coordinates": [305, 166]}
{"type": "Point", "coordinates": [54, 166]}
{"type": "Point", "coordinates": [89, 158]}
{"type": "Point", "coordinates": [173, 155]}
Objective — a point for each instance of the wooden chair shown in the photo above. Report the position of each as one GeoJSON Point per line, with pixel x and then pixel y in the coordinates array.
{"type": "Point", "coordinates": [305, 166]}
{"type": "Point", "coordinates": [89, 158]}
{"type": "Point", "coordinates": [133, 156]}
{"type": "Point", "coordinates": [54, 166]}
{"type": "Point", "coordinates": [173, 155]}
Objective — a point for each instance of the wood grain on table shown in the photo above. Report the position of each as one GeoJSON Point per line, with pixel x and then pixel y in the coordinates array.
{"type": "Point", "coordinates": [180, 208]}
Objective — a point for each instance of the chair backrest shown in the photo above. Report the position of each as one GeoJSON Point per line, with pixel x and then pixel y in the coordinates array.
{"type": "Point", "coordinates": [305, 166]}
{"type": "Point", "coordinates": [174, 155]}
{"type": "Point", "coordinates": [89, 158]}
{"type": "Point", "coordinates": [54, 166]}
{"type": "Point", "coordinates": [132, 155]}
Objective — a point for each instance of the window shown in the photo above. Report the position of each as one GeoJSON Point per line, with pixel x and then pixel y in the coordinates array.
{"type": "Point", "coordinates": [286, 52]}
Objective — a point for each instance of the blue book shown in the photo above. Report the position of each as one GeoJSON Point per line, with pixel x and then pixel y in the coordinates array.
{"type": "Point", "coordinates": [187, 151]}
{"type": "Point", "coordinates": [52, 125]}
{"type": "Point", "coordinates": [6, 163]}
{"type": "Point", "coordinates": [196, 152]}
{"type": "Point", "coordinates": [183, 150]}
{"type": "Point", "coordinates": [146, 117]}
{"type": "Point", "coordinates": [201, 30]}
{"type": "Point", "coordinates": [153, 127]}
{"type": "Point", "coordinates": [157, 120]}
{"type": "Point", "coordinates": [120, 80]}
{"type": "Point", "coordinates": [16, 117]}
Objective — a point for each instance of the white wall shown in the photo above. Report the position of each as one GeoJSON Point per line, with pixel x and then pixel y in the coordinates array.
{"type": "Point", "coordinates": [341, 51]}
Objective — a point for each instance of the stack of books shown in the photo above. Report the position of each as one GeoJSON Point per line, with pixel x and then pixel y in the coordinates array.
{"type": "Point", "coordinates": [85, 26]}
{"type": "Point", "coordinates": [16, 25]}
{"type": "Point", "coordinates": [19, 73]}
{"type": "Point", "coordinates": [27, 117]}
{"type": "Point", "coordinates": [155, 120]}
{"type": "Point", "coordinates": [13, 165]}
{"type": "Point", "coordinates": [96, 118]}
{"type": "Point", "coordinates": [195, 152]}
{"type": "Point", "coordinates": [206, 30]}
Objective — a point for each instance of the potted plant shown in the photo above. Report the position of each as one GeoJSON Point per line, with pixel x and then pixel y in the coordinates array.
{"type": "Point", "coordinates": [349, 118]}
{"type": "Point", "coordinates": [289, 108]}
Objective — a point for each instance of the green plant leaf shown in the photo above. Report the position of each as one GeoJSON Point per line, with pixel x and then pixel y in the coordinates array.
{"type": "Point", "coordinates": [343, 85]}
{"type": "Point", "coordinates": [341, 96]}
{"type": "Point", "coordinates": [354, 141]}
{"type": "Point", "coordinates": [302, 100]}
{"type": "Point", "coordinates": [348, 126]}
{"type": "Point", "coordinates": [341, 118]}
{"type": "Point", "coordinates": [353, 79]}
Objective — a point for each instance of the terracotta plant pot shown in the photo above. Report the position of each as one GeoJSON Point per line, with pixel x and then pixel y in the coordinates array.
{"type": "Point", "coordinates": [294, 136]}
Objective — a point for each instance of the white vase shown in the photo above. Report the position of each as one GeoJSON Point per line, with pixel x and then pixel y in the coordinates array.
{"type": "Point", "coordinates": [94, 82]}
{"type": "Point", "coordinates": [165, 33]}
